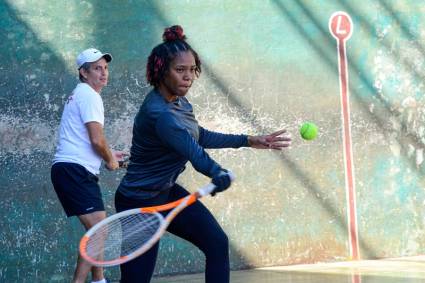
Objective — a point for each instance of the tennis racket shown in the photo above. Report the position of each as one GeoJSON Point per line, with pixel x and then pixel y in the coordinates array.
{"type": "Point", "coordinates": [123, 236]}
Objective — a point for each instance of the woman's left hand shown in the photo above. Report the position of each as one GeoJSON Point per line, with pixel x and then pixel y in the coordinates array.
{"type": "Point", "coordinates": [276, 140]}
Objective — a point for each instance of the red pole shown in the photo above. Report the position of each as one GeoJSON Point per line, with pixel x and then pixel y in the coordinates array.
{"type": "Point", "coordinates": [340, 26]}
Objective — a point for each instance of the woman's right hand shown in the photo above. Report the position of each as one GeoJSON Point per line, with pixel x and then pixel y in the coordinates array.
{"type": "Point", "coordinates": [222, 181]}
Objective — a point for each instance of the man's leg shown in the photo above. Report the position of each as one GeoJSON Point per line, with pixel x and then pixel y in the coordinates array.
{"type": "Point", "coordinates": [83, 267]}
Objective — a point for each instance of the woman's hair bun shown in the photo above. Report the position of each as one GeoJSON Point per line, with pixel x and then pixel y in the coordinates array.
{"type": "Point", "coordinates": [173, 33]}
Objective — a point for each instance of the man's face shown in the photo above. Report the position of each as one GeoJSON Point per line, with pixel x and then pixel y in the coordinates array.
{"type": "Point", "coordinates": [181, 74]}
{"type": "Point", "coordinates": [97, 75]}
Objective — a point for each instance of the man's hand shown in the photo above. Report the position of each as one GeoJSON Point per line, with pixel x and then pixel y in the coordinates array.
{"type": "Point", "coordinates": [122, 158]}
{"type": "Point", "coordinates": [112, 165]}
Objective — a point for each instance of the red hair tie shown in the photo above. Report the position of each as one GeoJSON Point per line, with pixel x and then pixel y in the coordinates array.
{"type": "Point", "coordinates": [173, 33]}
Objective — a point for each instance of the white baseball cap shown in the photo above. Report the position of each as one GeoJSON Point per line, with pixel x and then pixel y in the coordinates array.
{"type": "Point", "coordinates": [91, 55]}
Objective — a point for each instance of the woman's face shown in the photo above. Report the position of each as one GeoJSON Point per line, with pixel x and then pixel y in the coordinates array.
{"type": "Point", "coordinates": [180, 76]}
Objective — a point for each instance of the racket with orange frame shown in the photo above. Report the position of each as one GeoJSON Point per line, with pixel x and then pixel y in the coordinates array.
{"type": "Point", "coordinates": [125, 235]}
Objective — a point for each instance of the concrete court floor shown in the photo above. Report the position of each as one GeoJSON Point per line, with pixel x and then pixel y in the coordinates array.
{"type": "Point", "coordinates": [394, 270]}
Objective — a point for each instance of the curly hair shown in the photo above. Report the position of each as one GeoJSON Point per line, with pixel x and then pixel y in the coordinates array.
{"type": "Point", "coordinates": [174, 42]}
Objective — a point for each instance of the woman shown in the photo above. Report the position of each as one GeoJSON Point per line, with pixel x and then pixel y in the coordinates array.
{"type": "Point", "coordinates": [166, 136]}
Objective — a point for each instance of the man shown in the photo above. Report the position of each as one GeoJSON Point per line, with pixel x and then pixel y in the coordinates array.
{"type": "Point", "coordinates": [81, 148]}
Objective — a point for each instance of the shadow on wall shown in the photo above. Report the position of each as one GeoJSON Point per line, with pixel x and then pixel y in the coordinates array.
{"type": "Point", "coordinates": [33, 77]}
{"type": "Point", "coordinates": [408, 134]}
{"type": "Point", "coordinates": [33, 82]}
{"type": "Point", "coordinates": [405, 137]}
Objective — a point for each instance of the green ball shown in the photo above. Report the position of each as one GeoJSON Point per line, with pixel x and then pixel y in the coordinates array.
{"type": "Point", "coordinates": [308, 131]}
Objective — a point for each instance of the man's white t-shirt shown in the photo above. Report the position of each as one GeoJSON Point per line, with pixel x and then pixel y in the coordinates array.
{"type": "Point", "coordinates": [74, 146]}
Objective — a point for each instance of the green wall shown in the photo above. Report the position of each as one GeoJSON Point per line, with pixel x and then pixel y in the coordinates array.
{"type": "Point", "coordinates": [266, 65]}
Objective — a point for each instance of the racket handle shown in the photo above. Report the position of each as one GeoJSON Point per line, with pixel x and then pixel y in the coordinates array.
{"type": "Point", "coordinates": [231, 175]}
{"type": "Point", "coordinates": [123, 163]}
{"type": "Point", "coordinates": [208, 189]}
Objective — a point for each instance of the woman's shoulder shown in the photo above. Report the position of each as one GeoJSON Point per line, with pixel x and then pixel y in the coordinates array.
{"type": "Point", "coordinates": [153, 105]}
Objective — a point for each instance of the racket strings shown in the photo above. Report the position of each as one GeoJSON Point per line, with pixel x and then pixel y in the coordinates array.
{"type": "Point", "coordinates": [135, 238]}
{"type": "Point", "coordinates": [122, 236]}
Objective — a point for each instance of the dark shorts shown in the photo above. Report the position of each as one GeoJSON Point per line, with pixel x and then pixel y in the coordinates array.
{"type": "Point", "coordinates": [77, 189]}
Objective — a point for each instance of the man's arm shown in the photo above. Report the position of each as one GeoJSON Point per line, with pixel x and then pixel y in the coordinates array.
{"type": "Point", "coordinates": [98, 142]}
